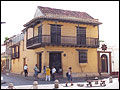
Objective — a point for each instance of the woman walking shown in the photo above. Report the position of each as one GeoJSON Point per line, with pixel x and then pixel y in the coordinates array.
{"type": "Point", "coordinates": [36, 71]}
{"type": "Point", "coordinates": [69, 76]}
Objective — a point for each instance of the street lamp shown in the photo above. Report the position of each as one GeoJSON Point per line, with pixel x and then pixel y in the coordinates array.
{"type": "Point", "coordinates": [3, 22]}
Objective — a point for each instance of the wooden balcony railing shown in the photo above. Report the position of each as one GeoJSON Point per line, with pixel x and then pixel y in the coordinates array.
{"type": "Point", "coordinates": [38, 41]}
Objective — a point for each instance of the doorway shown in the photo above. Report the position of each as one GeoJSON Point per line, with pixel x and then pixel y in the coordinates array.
{"type": "Point", "coordinates": [40, 61]}
{"type": "Point", "coordinates": [55, 60]}
{"type": "Point", "coordinates": [104, 63]}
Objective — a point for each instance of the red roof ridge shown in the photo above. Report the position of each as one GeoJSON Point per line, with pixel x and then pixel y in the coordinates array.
{"type": "Point", "coordinates": [79, 14]}
{"type": "Point", "coordinates": [59, 9]}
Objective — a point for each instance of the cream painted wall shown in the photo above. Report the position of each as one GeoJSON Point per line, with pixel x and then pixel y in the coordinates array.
{"type": "Point", "coordinates": [31, 59]}
{"type": "Point", "coordinates": [71, 59]}
{"type": "Point", "coordinates": [68, 29]}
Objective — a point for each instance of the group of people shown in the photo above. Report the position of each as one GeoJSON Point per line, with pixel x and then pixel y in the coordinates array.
{"type": "Point", "coordinates": [48, 73]}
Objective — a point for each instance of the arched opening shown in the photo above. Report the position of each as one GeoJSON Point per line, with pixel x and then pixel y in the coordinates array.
{"type": "Point", "coordinates": [104, 63]}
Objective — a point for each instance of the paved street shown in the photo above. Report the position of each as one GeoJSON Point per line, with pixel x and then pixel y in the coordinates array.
{"type": "Point", "coordinates": [20, 82]}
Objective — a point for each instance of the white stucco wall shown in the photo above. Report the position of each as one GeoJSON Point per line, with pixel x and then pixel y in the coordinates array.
{"type": "Point", "coordinates": [114, 56]}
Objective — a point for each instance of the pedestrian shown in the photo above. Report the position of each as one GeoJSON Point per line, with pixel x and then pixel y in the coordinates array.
{"type": "Point", "coordinates": [26, 70]}
{"type": "Point", "coordinates": [36, 71]}
{"type": "Point", "coordinates": [44, 69]}
{"type": "Point", "coordinates": [69, 76]}
{"type": "Point", "coordinates": [60, 71]}
{"type": "Point", "coordinates": [47, 73]}
{"type": "Point", "coordinates": [53, 73]}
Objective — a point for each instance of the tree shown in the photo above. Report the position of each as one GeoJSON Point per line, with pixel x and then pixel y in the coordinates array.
{"type": "Point", "coordinates": [6, 38]}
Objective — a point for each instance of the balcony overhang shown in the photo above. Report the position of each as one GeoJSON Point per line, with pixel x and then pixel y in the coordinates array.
{"type": "Point", "coordinates": [66, 41]}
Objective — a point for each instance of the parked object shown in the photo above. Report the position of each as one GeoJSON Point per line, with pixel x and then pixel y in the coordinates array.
{"type": "Point", "coordinates": [35, 85]}
{"type": "Point", "coordinates": [102, 83]}
{"type": "Point", "coordinates": [80, 85]}
{"type": "Point", "coordinates": [10, 86]}
{"type": "Point", "coordinates": [56, 84]}
{"type": "Point", "coordinates": [89, 83]}
{"type": "Point", "coordinates": [96, 80]}
{"type": "Point", "coordinates": [110, 79]}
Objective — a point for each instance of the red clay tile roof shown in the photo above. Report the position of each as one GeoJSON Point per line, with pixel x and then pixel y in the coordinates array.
{"type": "Point", "coordinates": [67, 15]}
{"type": "Point", "coordinates": [47, 10]}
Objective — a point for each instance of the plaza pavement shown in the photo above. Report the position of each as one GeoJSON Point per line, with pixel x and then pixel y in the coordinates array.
{"type": "Point", "coordinates": [20, 82]}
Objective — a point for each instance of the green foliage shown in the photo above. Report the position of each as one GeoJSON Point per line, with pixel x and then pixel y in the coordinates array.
{"type": "Point", "coordinates": [6, 38]}
{"type": "Point", "coordinates": [101, 40]}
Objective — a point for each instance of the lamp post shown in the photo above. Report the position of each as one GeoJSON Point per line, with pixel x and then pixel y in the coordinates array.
{"type": "Point", "coordinates": [3, 22]}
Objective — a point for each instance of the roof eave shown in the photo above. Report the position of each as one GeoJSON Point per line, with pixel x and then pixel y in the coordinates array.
{"type": "Point", "coordinates": [46, 18]}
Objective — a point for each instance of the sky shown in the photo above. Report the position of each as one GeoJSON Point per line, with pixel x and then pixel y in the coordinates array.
{"type": "Point", "coordinates": [17, 13]}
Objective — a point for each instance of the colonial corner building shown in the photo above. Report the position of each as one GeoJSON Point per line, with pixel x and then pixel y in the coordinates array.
{"type": "Point", "coordinates": [59, 38]}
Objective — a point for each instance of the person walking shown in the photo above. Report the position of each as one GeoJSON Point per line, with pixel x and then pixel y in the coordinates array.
{"type": "Point", "coordinates": [53, 73]}
{"type": "Point", "coordinates": [60, 71]}
{"type": "Point", "coordinates": [36, 71]}
{"type": "Point", "coordinates": [47, 73]}
{"type": "Point", "coordinates": [26, 70]}
{"type": "Point", "coordinates": [69, 76]}
{"type": "Point", "coordinates": [44, 69]}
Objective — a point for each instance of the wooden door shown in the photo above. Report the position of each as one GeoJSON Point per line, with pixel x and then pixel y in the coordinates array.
{"type": "Point", "coordinates": [40, 61]}
{"type": "Point", "coordinates": [55, 60]}
{"type": "Point", "coordinates": [104, 63]}
{"type": "Point", "coordinates": [81, 35]}
{"type": "Point", "coordinates": [40, 34]}
{"type": "Point", "coordinates": [55, 34]}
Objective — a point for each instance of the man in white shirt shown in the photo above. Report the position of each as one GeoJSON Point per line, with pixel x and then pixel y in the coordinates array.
{"type": "Point", "coordinates": [26, 70]}
{"type": "Point", "coordinates": [53, 73]}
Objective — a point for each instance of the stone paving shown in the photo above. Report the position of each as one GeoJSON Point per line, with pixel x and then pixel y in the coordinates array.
{"type": "Point", "coordinates": [21, 82]}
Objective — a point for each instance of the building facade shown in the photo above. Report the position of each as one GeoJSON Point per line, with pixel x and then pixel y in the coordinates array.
{"type": "Point", "coordinates": [6, 56]}
{"type": "Point", "coordinates": [108, 59]}
{"type": "Point", "coordinates": [59, 38]}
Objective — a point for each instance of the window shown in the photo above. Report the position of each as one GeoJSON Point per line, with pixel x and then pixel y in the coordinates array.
{"type": "Point", "coordinates": [82, 56]}
{"type": "Point", "coordinates": [15, 52]}
{"type": "Point", "coordinates": [81, 35]}
{"type": "Point", "coordinates": [55, 33]}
